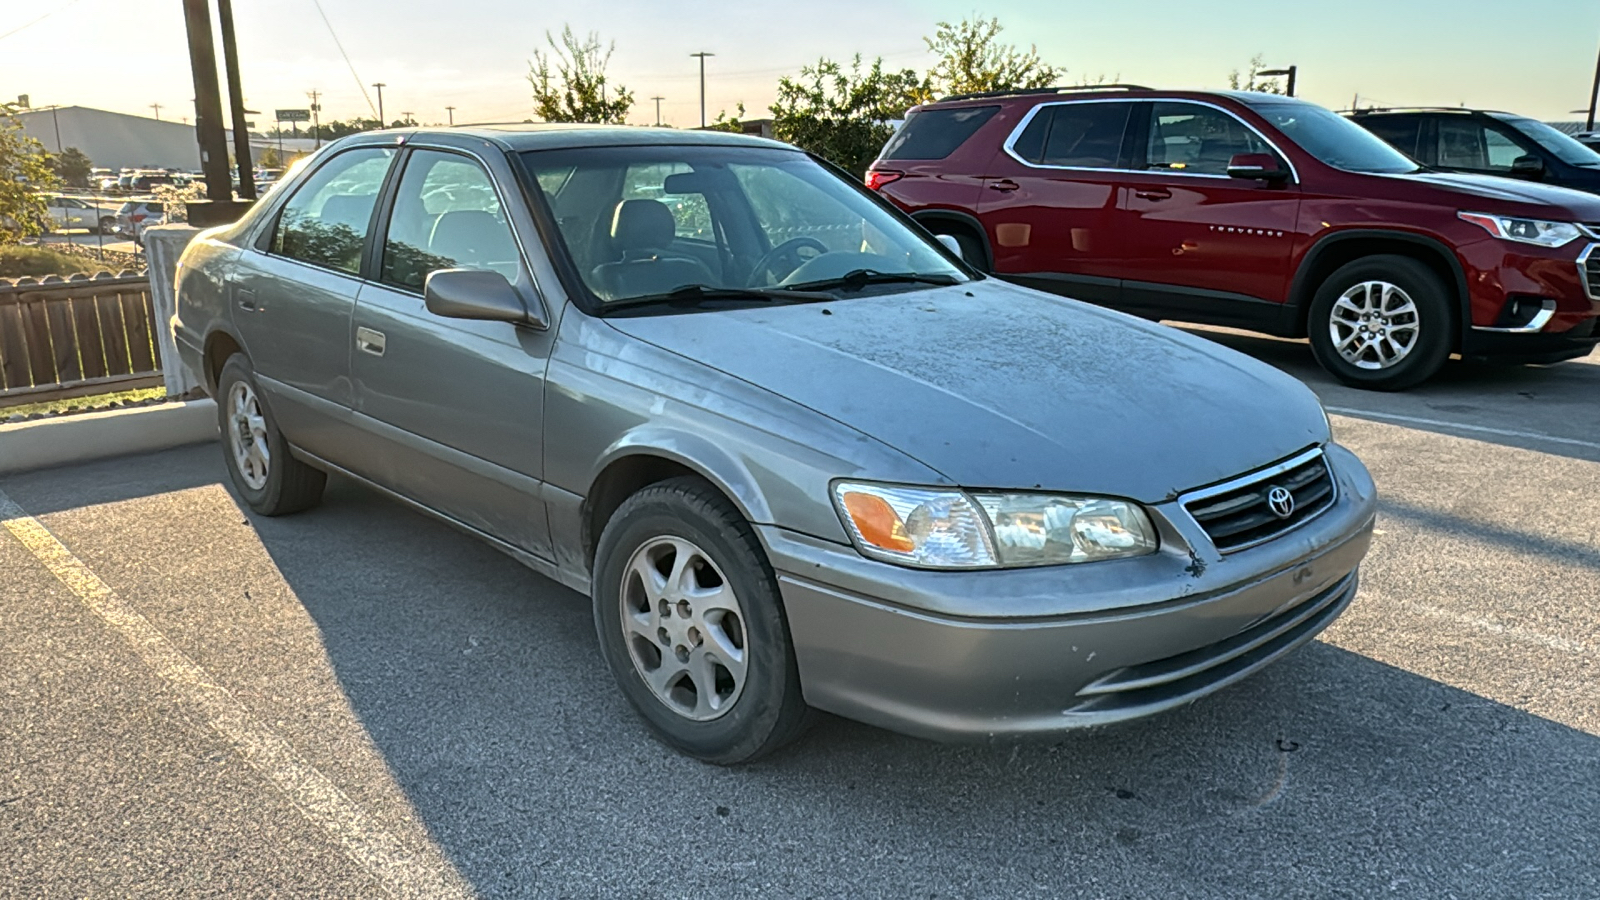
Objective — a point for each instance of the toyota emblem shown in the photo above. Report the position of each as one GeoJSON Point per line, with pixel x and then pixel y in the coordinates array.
{"type": "Point", "coordinates": [1281, 502]}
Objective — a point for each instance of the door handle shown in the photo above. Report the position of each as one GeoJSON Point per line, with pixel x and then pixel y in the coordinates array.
{"type": "Point", "coordinates": [1005, 184]}
{"type": "Point", "coordinates": [369, 341]}
{"type": "Point", "coordinates": [1152, 193]}
{"type": "Point", "coordinates": [246, 299]}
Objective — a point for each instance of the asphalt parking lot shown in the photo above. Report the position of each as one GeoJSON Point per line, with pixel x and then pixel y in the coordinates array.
{"type": "Point", "coordinates": [357, 701]}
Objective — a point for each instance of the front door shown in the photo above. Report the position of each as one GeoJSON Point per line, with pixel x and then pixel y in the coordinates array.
{"type": "Point", "coordinates": [1050, 203]}
{"type": "Point", "coordinates": [292, 304]}
{"type": "Point", "coordinates": [454, 408]}
{"type": "Point", "coordinates": [1200, 243]}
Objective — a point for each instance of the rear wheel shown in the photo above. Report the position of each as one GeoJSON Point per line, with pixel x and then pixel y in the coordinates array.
{"type": "Point", "coordinates": [108, 225]}
{"type": "Point", "coordinates": [1382, 322]}
{"type": "Point", "coordinates": [691, 624]}
{"type": "Point", "coordinates": [272, 482]}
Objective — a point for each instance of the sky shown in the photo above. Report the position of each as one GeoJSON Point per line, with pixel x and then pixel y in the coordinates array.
{"type": "Point", "coordinates": [1536, 57]}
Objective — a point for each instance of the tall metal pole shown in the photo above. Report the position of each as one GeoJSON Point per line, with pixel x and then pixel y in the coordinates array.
{"type": "Point", "coordinates": [1594, 95]}
{"type": "Point", "coordinates": [207, 102]}
{"type": "Point", "coordinates": [57, 120]}
{"type": "Point", "coordinates": [451, 110]}
{"type": "Point", "coordinates": [380, 86]}
{"type": "Point", "coordinates": [702, 55]}
{"type": "Point", "coordinates": [1288, 89]}
{"type": "Point", "coordinates": [658, 109]}
{"type": "Point", "coordinates": [241, 134]}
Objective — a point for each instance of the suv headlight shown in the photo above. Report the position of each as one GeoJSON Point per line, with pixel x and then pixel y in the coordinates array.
{"type": "Point", "coordinates": [1524, 231]}
{"type": "Point", "coordinates": [941, 528]}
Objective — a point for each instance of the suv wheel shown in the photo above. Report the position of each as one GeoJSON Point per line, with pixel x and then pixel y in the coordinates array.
{"type": "Point", "coordinates": [1381, 322]}
{"type": "Point", "coordinates": [271, 481]}
{"type": "Point", "coordinates": [692, 627]}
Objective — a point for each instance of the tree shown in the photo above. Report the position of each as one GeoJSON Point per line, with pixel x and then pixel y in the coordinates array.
{"type": "Point", "coordinates": [972, 59]}
{"type": "Point", "coordinates": [569, 81]}
{"type": "Point", "coordinates": [335, 129]}
{"type": "Point", "coordinates": [1251, 83]}
{"type": "Point", "coordinates": [844, 116]}
{"type": "Point", "coordinates": [724, 122]}
{"type": "Point", "coordinates": [24, 174]}
{"type": "Point", "coordinates": [72, 167]}
{"type": "Point", "coordinates": [269, 159]}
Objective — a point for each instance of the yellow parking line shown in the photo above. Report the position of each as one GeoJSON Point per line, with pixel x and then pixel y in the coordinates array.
{"type": "Point", "coordinates": [404, 872]}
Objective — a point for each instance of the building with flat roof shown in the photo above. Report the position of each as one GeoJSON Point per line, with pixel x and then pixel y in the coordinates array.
{"type": "Point", "coordinates": [115, 141]}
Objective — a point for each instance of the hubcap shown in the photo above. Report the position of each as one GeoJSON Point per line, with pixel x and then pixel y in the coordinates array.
{"type": "Point", "coordinates": [247, 436]}
{"type": "Point", "coordinates": [1374, 325]}
{"type": "Point", "coordinates": [684, 628]}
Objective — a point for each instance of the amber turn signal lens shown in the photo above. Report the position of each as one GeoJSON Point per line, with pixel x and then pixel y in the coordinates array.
{"type": "Point", "coordinates": [877, 523]}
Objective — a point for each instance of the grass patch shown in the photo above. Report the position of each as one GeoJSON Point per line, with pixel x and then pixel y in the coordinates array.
{"type": "Point", "coordinates": [18, 261]}
{"type": "Point", "coordinates": [85, 404]}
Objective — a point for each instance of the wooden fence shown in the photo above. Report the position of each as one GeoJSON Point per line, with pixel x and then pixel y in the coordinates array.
{"type": "Point", "coordinates": [71, 337]}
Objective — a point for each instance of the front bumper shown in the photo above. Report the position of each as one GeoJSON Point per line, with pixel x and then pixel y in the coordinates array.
{"type": "Point", "coordinates": [1499, 272]}
{"type": "Point", "coordinates": [979, 655]}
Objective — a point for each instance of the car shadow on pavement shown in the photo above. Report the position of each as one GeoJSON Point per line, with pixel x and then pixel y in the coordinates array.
{"type": "Point", "coordinates": [1327, 774]}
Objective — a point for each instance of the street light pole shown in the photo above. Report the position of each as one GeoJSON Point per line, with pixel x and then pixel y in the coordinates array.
{"type": "Point", "coordinates": [1291, 71]}
{"type": "Point", "coordinates": [1594, 95]}
{"type": "Point", "coordinates": [658, 111]}
{"type": "Point", "coordinates": [380, 86]}
{"type": "Point", "coordinates": [452, 111]}
{"type": "Point", "coordinates": [702, 56]}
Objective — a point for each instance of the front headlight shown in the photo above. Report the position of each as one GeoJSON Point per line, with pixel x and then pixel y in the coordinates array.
{"type": "Point", "coordinates": [1524, 231]}
{"type": "Point", "coordinates": [940, 528]}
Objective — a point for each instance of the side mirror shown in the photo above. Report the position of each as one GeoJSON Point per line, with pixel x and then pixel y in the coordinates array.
{"type": "Point", "coordinates": [1262, 166]}
{"type": "Point", "coordinates": [475, 294]}
{"type": "Point", "coordinates": [953, 245]}
{"type": "Point", "coordinates": [1529, 166]}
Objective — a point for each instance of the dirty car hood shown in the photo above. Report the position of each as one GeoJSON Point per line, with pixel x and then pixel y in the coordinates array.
{"type": "Point", "coordinates": [997, 386]}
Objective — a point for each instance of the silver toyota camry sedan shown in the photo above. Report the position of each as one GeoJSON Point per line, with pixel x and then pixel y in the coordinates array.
{"type": "Point", "coordinates": [800, 455]}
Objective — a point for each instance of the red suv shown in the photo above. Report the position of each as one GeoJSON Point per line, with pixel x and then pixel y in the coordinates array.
{"type": "Point", "coordinates": [1255, 211]}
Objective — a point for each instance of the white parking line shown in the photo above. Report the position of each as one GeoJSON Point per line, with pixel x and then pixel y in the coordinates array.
{"type": "Point", "coordinates": [1460, 426]}
{"type": "Point", "coordinates": [400, 870]}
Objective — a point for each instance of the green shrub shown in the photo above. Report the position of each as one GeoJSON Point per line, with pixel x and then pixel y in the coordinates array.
{"type": "Point", "coordinates": [18, 261]}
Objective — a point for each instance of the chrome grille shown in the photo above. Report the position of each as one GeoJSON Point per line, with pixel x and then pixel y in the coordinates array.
{"type": "Point", "coordinates": [1589, 268]}
{"type": "Point", "coordinates": [1239, 513]}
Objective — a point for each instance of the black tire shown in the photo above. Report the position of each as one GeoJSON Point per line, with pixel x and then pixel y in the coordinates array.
{"type": "Point", "coordinates": [108, 225]}
{"type": "Point", "coordinates": [289, 485]}
{"type": "Point", "coordinates": [768, 710]}
{"type": "Point", "coordinates": [1434, 318]}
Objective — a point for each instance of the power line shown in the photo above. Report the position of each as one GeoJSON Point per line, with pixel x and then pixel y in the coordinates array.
{"type": "Point", "coordinates": [337, 43]}
{"type": "Point", "coordinates": [47, 15]}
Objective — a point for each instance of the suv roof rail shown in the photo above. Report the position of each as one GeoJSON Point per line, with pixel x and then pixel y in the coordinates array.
{"type": "Point", "coordinates": [1024, 92]}
{"type": "Point", "coordinates": [1409, 109]}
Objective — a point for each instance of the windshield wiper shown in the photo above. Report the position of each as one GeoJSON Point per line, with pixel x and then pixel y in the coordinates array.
{"type": "Point", "coordinates": [691, 294]}
{"type": "Point", "coordinates": [857, 279]}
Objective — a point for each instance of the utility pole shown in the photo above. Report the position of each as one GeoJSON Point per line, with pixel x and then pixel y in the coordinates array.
{"type": "Point", "coordinates": [157, 108]}
{"type": "Point", "coordinates": [208, 106]}
{"type": "Point", "coordinates": [380, 86]}
{"type": "Point", "coordinates": [406, 118]}
{"type": "Point", "coordinates": [702, 56]}
{"type": "Point", "coordinates": [57, 120]}
{"type": "Point", "coordinates": [658, 109]}
{"type": "Point", "coordinates": [241, 134]}
{"type": "Point", "coordinates": [452, 111]}
{"type": "Point", "coordinates": [316, 121]}
{"type": "Point", "coordinates": [1594, 96]}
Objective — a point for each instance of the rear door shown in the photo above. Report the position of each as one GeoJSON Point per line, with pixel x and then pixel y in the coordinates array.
{"type": "Point", "coordinates": [452, 410]}
{"type": "Point", "coordinates": [1403, 132]}
{"type": "Point", "coordinates": [1203, 245]}
{"type": "Point", "coordinates": [1050, 207]}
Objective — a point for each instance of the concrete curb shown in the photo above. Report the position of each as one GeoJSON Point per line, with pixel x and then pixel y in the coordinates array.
{"type": "Point", "coordinates": [66, 440]}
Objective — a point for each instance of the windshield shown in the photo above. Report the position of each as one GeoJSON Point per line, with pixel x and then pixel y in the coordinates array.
{"type": "Point", "coordinates": [1334, 139]}
{"type": "Point", "coordinates": [1563, 146]}
{"type": "Point", "coordinates": [647, 221]}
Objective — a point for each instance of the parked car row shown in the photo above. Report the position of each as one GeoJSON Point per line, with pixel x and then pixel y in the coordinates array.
{"type": "Point", "coordinates": [797, 451]}
{"type": "Point", "coordinates": [1268, 213]}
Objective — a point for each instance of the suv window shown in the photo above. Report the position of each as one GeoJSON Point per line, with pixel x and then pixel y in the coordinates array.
{"type": "Point", "coordinates": [1400, 131]}
{"type": "Point", "coordinates": [1200, 140]}
{"type": "Point", "coordinates": [325, 222]}
{"type": "Point", "coordinates": [1077, 135]}
{"type": "Point", "coordinates": [446, 215]}
{"type": "Point", "coordinates": [1469, 144]}
{"type": "Point", "coordinates": [936, 133]}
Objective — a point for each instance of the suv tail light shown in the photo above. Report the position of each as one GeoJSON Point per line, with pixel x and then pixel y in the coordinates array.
{"type": "Point", "coordinates": [877, 178]}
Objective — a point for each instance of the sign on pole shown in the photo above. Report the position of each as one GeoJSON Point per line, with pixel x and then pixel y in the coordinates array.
{"type": "Point", "coordinates": [294, 115]}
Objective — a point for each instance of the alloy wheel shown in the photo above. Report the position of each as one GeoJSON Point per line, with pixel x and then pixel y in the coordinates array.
{"type": "Point", "coordinates": [684, 628]}
{"type": "Point", "coordinates": [1374, 325]}
{"type": "Point", "coordinates": [247, 436]}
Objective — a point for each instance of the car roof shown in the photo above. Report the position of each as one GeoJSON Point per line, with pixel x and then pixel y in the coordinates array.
{"type": "Point", "coordinates": [519, 136]}
{"type": "Point", "coordinates": [1037, 96]}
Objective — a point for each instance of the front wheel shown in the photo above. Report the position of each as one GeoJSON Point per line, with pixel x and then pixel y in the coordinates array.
{"type": "Point", "coordinates": [271, 481]}
{"type": "Point", "coordinates": [108, 225]}
{"type": "Point", "coordinates": [1382, 322]}
{"type": "Point", "coordinates": [692, 627]}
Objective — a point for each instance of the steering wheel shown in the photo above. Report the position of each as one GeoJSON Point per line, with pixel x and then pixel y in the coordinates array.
{"type": "Point", "coordinates": [786, 252]}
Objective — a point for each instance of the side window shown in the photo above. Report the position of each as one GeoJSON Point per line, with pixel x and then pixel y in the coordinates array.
{"type": "Point", "coordinates": [1462, 145]}
{"type": "Point", "coordinates": [1399, 131]}
{"type": "Point", "coordinates": [446, 215]}
{"type": "Point", "coordinates": [936, 133]}
{"type": "Point", "coordinates": [1502, 150]}
{"type": "Point", "coordinates": [1079, 135]}
{"type": "Point", "coordinates": [1187, 137]}
{"type": "Point", "coordinates": [691, 216]}
{"type": "Point", "coordinates": [325, 222]}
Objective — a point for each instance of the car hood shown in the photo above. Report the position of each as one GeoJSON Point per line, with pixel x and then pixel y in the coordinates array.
{"type": "Point", "coordinates": [997, 386]}
{"type": "Point", "coordinates": [1578, 205]}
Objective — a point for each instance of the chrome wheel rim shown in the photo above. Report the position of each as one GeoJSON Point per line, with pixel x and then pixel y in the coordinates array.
{"type": "Point", "coordinates": [247, 436]}
{"type": "Point", "coordinates": [1374, 325]}
{"type": "Point", "coordinates": [684, 628]}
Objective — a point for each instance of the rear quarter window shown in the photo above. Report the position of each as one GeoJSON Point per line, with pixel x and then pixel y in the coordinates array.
{"type": "Point", "coordinates": [1400, 132]}
{"type": "Point", "coordinates": [936, 133]}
